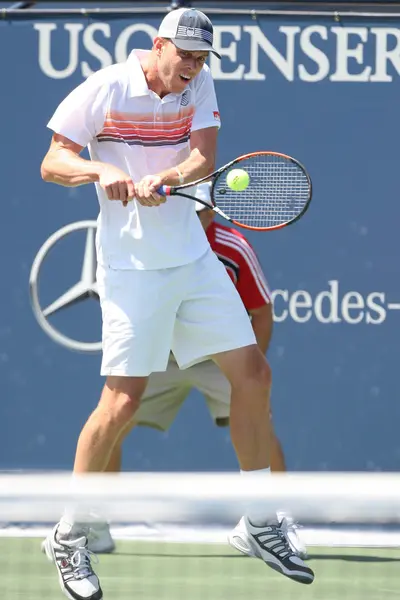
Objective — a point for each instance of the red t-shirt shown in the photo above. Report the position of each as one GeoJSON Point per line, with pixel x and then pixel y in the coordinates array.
{"type": "Point", "coordinates": [241, 262]}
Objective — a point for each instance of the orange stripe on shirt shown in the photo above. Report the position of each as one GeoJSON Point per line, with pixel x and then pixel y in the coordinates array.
{"type": "Point", "coordinates": [148, 120]}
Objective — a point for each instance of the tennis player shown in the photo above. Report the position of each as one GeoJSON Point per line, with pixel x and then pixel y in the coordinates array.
{"type": "Point", "coordinates": [167, 391]}
{"type": "Point", "coordinates": [150, 121]}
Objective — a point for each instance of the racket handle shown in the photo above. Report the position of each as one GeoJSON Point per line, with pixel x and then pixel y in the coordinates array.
{"type": "Point", "coordinates": [164, 190]}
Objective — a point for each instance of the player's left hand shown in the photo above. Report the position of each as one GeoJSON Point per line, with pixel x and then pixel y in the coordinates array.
{"type": "Point", "coordinates": [145, 191]}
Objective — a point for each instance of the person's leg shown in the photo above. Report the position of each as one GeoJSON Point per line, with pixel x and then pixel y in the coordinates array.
{"type": "Point", "coordinates": [114, 464]}
{"type": "Point", "coordinates": [210, 381]}
{"type": "Point", "coordinates": [278, 464]}
{"type": "Point", "coordinates": [250, 377]}
{"type": "Point", "coordinates": [118, 403]}
{"type": "Point", "coordinates": [137, 337]}
{"type": "Point", "coordinates": [212, 323]}
{"type": "Point", "coordinates": [164, 395]}
{"type": "Point", "coordinates": [68, 543]}
{"type": "Point", "coordinates": [257, 534]}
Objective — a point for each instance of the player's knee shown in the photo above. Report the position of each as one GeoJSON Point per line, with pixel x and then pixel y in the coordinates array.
{"type": "Point", "coordinates": [121, 400]}
{"type": "Point", "coordinates": [259, 375]}
{"type": "Point", "coordinates": [125, 407]}
{"type": "Point", "coordinates": [255, 381]}
{"type": "Point", "coordinates": [117, 411]}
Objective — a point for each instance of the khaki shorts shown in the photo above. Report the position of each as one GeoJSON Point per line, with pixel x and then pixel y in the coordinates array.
{"type": "Point", "coordinates": [167, 391]}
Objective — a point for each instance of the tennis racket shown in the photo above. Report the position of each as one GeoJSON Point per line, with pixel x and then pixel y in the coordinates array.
{"type": "Point", "coordinates": [278, 194]}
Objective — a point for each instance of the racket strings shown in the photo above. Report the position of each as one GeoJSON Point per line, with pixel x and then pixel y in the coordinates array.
{"type": "Point", "coordinates": [277, 193]}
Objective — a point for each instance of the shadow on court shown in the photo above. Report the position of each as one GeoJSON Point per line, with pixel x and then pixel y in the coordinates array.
{"type": "Point", "coordinates": [314, 556]}
{"type": "Point", "coordinates": [354, 558]}
{"type": "Point", "coordinates": [173, 555]}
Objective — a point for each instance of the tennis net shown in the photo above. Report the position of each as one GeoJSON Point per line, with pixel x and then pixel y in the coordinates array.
{"type": "Point", "coordinates": [171, 530]}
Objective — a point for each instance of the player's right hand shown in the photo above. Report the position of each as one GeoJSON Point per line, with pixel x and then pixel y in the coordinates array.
{"type": "Point", "coordinates": [117, 184]}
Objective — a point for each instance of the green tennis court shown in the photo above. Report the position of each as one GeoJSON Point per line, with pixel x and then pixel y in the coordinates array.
{"type": "Point", "coordinates": [153, 570]}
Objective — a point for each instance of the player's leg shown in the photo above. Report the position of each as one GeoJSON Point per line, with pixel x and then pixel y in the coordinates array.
{"type": "Point", "coordinates": [67, 546]}
{"type": "Point", "coordinates": [137, 333]}
{"type": "Point", "coordinates": [164, 394]}
{"type": "Point", "coordinates": [213, 323]}
{"type": "Point", "coordinates": [250, 378]}
{"type": "Point", "coordinates": [209, 380]}
{"type": "Point", "coordinates": [118, 403]}
{"type": "Point", "coordinates": [137, 336]}
{"type": "Point", "coordinates": [159, 405]}
{"type": "Point", "coordinates": [263, 536]}
{"type": "Point", "coordinates": [278, 464]}
{"type": "Point", "coordinates": [114, 464]}
{"type": "Point", "coordinates": [100, 540]}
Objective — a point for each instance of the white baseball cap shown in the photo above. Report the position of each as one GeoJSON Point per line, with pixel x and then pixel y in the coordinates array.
{"type": "Point", "coordinates": [203, 193]}
{"type": "Point", "coordinates": [188, 29]}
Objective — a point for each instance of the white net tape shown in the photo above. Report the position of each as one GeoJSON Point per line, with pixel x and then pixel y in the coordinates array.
{"type": "Point", "coordinates": [222, 497]}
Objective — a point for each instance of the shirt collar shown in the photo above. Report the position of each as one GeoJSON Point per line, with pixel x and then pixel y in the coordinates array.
{"type": "Point", "coordinates": [137, 81]}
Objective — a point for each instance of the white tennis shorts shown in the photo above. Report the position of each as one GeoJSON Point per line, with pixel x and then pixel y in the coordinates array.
{"type": "Point", "coordinates": [193, 310]}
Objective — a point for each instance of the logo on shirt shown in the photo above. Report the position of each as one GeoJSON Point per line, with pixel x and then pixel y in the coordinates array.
{"type": "Point", "coordinates": [185, 98]}
{"type": "Point", "coordinates": [216, 115]}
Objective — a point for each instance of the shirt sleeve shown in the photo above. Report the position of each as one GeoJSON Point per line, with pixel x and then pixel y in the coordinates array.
{"type": "Point", "coordinates": [206, 108]}
{"type": "Point", "coordinates": [80, 116]}
{"type": "Point", "coordinates": [252, 284]}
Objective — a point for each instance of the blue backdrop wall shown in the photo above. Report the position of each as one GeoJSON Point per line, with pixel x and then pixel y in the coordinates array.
{"type": "Point", "coordinates": [324, 92]}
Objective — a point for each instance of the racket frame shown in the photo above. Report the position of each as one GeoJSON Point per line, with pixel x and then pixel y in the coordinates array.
{"type": "Point", "coordinates": [167, 190]}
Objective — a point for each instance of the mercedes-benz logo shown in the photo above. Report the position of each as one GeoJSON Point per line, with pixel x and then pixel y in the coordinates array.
{"type": "Point", "coordinates": [86, 287]}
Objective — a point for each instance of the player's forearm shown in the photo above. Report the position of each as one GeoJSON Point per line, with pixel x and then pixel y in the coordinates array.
{"type": "Point", "coordinates": [262, 323]}
{"type": "Point", "coordinates": [67, 168]}
{"type": "Point", "coordinates": [196, 166]}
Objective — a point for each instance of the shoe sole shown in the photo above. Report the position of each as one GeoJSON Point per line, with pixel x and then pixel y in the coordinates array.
{"type": "Point", "coordinates": [248, 550]}
{"type": "Point", "coordinates": [48, 550]}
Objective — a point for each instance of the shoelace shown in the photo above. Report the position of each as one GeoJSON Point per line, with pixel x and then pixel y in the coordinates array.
{"type": "Point", "coordinates": [81, 562]}
{"type": "Point", "coordinates": [276, 541]}
{"type": "Point", "coordinates": [290, 525]}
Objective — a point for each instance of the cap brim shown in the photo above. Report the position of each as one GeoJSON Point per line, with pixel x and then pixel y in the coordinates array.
{"type": "Point", "coordinates": [195, 46]}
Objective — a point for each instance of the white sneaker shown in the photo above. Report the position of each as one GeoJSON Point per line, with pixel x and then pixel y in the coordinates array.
{"type": "Point", "coordinates": [99, 539]}
{"type": "Point", "coordinates": [75, 573]}
{"type": "Point", "coordinates": [291, 531]}
{"type": "Point", "coordinates": [270, 543]}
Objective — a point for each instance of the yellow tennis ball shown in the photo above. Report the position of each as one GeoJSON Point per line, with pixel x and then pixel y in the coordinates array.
{"type": "Point", "coordinates": [238, 180]}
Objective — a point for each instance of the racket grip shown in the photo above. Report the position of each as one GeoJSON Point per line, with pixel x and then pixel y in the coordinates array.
{"type": "Point", "coordinates": [164, 190]}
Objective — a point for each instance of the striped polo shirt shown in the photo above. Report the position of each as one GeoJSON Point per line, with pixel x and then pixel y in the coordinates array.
{"type": "Point", "coordinates": [124, 123]}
